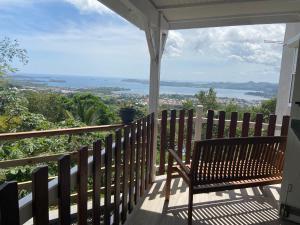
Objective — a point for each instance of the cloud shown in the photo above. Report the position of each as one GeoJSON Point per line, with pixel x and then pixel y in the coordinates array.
{"type": "Point", "coordinates": [175, 43]}
{"type": "Point", "coordinates": [243, 43]}
{"type": "Point", "coordinates": [87, 6]}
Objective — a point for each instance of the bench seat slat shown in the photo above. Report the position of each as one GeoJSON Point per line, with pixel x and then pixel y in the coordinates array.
{"type": "Point", "coordinates": [237, 184]}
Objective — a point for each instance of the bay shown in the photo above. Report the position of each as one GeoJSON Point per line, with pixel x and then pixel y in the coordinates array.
{"type": "Point", "coordinates": [67, 81]}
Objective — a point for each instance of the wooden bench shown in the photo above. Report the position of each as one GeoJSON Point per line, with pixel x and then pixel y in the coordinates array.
{"type": "Point", "coordinates": [229, 163]}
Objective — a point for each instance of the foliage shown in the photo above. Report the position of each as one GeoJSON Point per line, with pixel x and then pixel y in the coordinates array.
{"type": "Point", "coordinates": [188, 104]}
{"type": "Point", "coordinates": [90, 109]}
{"type": "Point", "coordinates": [208, 99]}
{"type": "Point", "coordinates": [9, 51]}
{"type": "Point", "coordinates": [266, 107]}
{"type": "Point", "coordinates": [52, 106]}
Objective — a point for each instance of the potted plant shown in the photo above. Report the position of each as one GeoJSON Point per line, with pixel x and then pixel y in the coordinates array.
{"type": "Point", "coordinates": [127, 113]}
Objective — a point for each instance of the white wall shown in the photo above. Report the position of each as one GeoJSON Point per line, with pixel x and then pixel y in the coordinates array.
{"type": "Point", "coordinates": [290, 188]}
{"type": "Point", "coordinates": [283, 106]}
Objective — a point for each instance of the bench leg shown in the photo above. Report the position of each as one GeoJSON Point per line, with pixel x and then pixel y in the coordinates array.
{"type": "Point", "coordinates": [190, 208]}
{"type": "Point", "coordinates": [168, 186]}
{"type": "Point", "coordinates": [169, 177]}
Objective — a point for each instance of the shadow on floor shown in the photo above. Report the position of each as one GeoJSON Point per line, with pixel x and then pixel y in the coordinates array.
{"type": "Point", "coordinates": [227, 212]}
{"type": "Point", "coordinates": [236, 207]}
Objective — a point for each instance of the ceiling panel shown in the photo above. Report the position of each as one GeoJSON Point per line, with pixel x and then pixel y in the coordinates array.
{"type": "Point", "coordinates": [176, 3]}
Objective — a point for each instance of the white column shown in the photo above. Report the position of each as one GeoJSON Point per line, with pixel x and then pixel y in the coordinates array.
{"type": "Point", "coordinates": [287, 64]}
{"type": "Point", "coordinates": [156, 39]}
{"type": "Point", "coordinates": [290, 187]}
{"type": "Point", "coordinates": [198, 122]}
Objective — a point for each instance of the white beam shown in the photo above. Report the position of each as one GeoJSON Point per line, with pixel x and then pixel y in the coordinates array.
{"type": "Point", "coordinates": [195, 4]}
{"type": "Point", "coordinates": [156, 39]}
{"type": "Point", "coordinates": [234, 21]}
{"type": "Point", "coordinates": [149, 13]}
{"type": "Point", "coordinates": [124, 11]}
{"type": "Point", "coordinates": [138, 12]}
{"type": "Point", "coordinates": [232, 13]}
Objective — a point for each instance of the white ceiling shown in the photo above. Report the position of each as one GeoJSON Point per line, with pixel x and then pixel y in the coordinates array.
{"type": "Point", "coordinates": [185, 14]}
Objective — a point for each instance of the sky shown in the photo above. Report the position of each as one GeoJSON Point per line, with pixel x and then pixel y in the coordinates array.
{"type": "Point", "coordinates": [83, 37]}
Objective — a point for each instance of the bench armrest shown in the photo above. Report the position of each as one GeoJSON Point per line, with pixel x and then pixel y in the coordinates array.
{"type": "Point", "coordinates": [179, 161]}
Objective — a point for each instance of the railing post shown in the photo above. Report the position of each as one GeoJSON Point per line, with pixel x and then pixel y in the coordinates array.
{"type": "Point", "coordinates": [198, 122]}
{"type": "Point", "coordinates": [9, 208]}
{"type": "Point", "coordinates": [154, 145]}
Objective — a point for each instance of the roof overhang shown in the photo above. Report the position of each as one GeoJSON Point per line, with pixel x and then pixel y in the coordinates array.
{"type": "Point", "coordinates": [186, 14]}
{"type": "Point", "coordinates": [294, 41]}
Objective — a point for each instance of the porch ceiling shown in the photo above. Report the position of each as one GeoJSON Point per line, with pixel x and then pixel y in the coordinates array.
{"type": "Point", "coordinates": [184, 14]}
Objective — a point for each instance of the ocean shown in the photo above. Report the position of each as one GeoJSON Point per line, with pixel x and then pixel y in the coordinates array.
{"type": "Point", "coordinates": [68, 81]}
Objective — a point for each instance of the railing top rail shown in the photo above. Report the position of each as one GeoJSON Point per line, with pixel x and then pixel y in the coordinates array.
{"type": "Point", "coordinates": [227, 121]}
{"type": "Point", "coordinates": [36, 159]}
{"type": "Point", "coordinates": [57, 132]}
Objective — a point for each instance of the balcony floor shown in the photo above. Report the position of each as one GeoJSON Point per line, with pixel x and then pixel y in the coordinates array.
{"type": "Point", "coordinates": [237, 207]}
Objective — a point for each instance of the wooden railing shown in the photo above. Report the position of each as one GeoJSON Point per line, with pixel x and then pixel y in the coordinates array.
{"type": "Point", "coordinates": [57, 132]}
{"type": "Point", "coordinates": [122, 169]}
{"type": "Point", "coordinates": [178, 132]}
{"type": "Point", "coordinates": [26, 185]}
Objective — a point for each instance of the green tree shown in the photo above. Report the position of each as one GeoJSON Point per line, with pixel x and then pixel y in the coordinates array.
{"type": "Point", "coordinates": [266, 107]}
{"type": "Point", "coordinates": [9, 51]}
{"type": "Point", "coordinates": [208, 99]}
{"type": "Point", "coordinates": [187, 104]}
{"type": "Point", "coordinates": [52, 106]}
{"type": "Point", "coordinates": [91, 110]}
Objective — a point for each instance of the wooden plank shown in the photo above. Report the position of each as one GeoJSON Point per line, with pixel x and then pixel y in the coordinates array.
{"type": "Point", "coordinates": [9, 204]}
{"type": "Point", "coordinates": [181, 132]}
{"type": "Point", "coordinates": [211, 163]}
{"type": "Point", "coordinates": [40, 199]}
{"type": "Point", "coordinates": [222, 163]}
{"type": "Point", "coordinates": [248, 167]}
{"type": "Point", "coordinates": [244, 167]}
{"type": "Point", "coordinates": [210, 123]}
{"type": "Point", "coordinates": [233, 124]}
{"type": "Point", "coordinates": [126, 158]}
{"type": "Point", "coordinates": [246, 124]}
{"type": "Point", "coordinates": [118, 151]}
{"type": "Point", "coordinates": [219, 152]}
{"type": "Point", "coordinates": [108, 173]}
{"type": "Point", "coordinates": [258, 124]}
{"type": "Point", "coordinates": [132, 165]}
{"type": "Point", "coordinates": [144, 132]}
{"type": "Point", "coordinates": [264, 158]}
{"type": "Point", "coordinates": [96, 181]}
{"type": "Point", "coordinates": [163, 141]}
{"type": "Point", "coordinates": [138, 162]}
{"type": "Point", "coordinates": [272, 125]}
{"type": "Point", "coordinates": [37, 159]}
{"type": "Point", "coordinates": [205, 164]}
{"type": "Point", "coordinates": [64, 192]}
{"type": "Point", "coordinates": [189, 135]}
{"type": "Point", "coordinates": [82, 186]}
{"type": "Point", "coordinates": [272, 162]}
{"type": "Point", "coordinates": [285, 126]}
{"type": "Point", "coordinates": [172, 129]}
{"type": "Point", "coordinates": [153, 149]}
{"type": "Point", "coordinates": [57, 132]}
{"type": "Point", "coordinates": [253, 166]}
{"type": "Point", "coordinates": [148, 169]}
{"type": "Point", "coordinates": [221, 125]}
{"type": "Point", "coordinates": [255, 157]}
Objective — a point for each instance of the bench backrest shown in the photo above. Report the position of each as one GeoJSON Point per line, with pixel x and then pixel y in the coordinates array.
{"type": "Point", "coordinates": [230, 159]}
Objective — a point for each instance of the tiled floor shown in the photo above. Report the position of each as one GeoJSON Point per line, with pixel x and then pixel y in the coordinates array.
{"type": "Point", "coordinates": [237, 207]}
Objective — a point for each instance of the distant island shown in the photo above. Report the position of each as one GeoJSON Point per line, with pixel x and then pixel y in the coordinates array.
{"type": "Point", "coordinates": [262, 89]}
{"type": "Point", "coordinates": [250, 91]}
